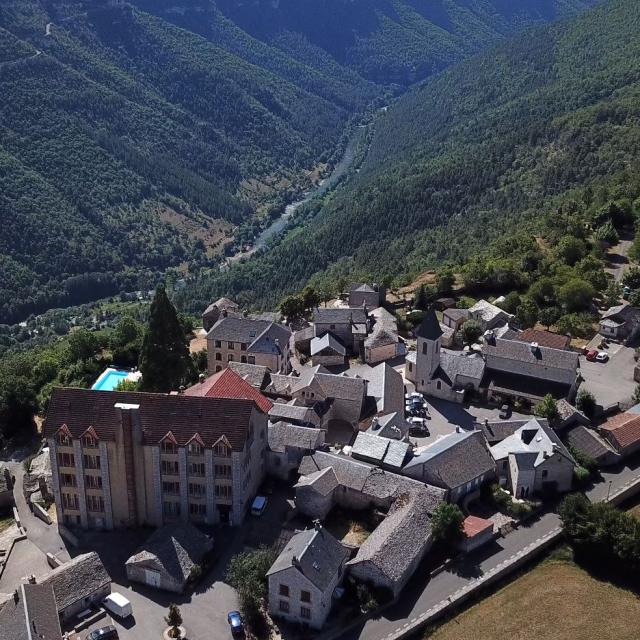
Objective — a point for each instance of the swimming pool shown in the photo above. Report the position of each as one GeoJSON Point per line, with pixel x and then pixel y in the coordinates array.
{"type": "Point", "coordinates": [109, 379]}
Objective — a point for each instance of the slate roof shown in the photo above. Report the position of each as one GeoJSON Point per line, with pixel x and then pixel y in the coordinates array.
{"type": "Point", "coordinates": [255, 374]}
{"type": "Point", "coordinates": [486, 310]}
{"type": "Point", "coordinates": [298, 413]}
{"type": "Point", "coordinates": [568, 412]}
{"type": "Point", "coordinates": [455, 459]}
{"type": "Point", "coordinates": [588, 442]}
{"type": "Point", "coordinates": [221, 303]}
{"type": "Point", "coordinates": [496, 431]}
{"type": "Point", "coordinates": [623, 429]}
{"type": "Point", "coordinates": [283, 434]}
{"type": "Point", "coordinates": [316, 554]}
{"type": "Point", "coordinates": [383, 451]}
{"type": "Point", "coordinates": [381, 337]}
{"type": "Point", "coordinates": [323, 481]}
{"type": "Point", "coordinates": [622, 312]}
{"type": "Point", "coordinates": [174, 549]}
{"type": "Point", "coordinates": [385, 385]}
{"type": "Point", "coordinates": [77, 579]}
{"type": "Point", "coordinates": [327, 341]}
{"type": "Point", "coordinates": [544, 338]}
{"type": "Point", "coordinates": [456, 314]}
{"type": "Point", "coordinates": [259, 335]}
{"type": "Point", "coordinates": [333, 315]}
{"type": "Point", "coordinates": [31, 615]}
{"type": "Point", "coordinates": [392, 425]}
{"type": "Point", "coordinates": [530, 387]}
{"type": "Point", "coordinates": [533, 439]}
{"type": "Point", "coordinates": [159, 413]}
{"type": "Point", "coordinates": [340, 386]}
{"type": "Point", "coordinates": [452, 366]}
{"type": "Point", "coordinates": [429, 328]}
{"type": "Point", "coordinates": [522, 352]}
{"type": "Point", "coordinates": [362, 287]}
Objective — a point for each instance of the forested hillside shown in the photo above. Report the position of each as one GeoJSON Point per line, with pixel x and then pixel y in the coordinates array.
{"type": "Point", "coordinates": [545, 121]}
{"type": "Point", "coordinates": [386, 41]}
{"type": "Point", "coordinates": [137, 137]}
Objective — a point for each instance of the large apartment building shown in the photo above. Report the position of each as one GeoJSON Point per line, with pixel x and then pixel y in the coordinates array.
{"type": "Point", "coordinates": [122, 459]}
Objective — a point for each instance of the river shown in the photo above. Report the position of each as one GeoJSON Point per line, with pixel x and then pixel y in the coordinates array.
{"type": "Point", "coordinates": [328, 183]}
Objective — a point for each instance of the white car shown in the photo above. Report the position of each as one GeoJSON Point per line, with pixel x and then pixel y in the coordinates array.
{"type": "Point", "coordinates": [602, 356]}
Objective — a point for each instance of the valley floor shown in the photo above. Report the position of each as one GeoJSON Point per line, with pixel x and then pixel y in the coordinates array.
{"type": "Point", "coordinates": [555, 601]}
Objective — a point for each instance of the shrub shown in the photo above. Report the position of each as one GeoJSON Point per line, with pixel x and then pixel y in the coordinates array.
{"type": "Point", "coordinates": [586, 403]}
{"type": "Point", "coordinates": [581, 476]}
{"type": "Point", "coordinates": [446, 523]}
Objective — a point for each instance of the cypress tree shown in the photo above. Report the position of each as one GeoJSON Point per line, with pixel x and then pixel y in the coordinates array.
{"type": "Point", "coordinates": [164, 360]}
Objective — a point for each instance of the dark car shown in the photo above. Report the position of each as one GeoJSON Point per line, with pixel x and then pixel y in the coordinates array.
{"type": "Point", "coordinates": [235, 623]}
{"type": "Point", "coordinates": [505, 411]}
{"type": "Point", "coordinates": [104, 633]}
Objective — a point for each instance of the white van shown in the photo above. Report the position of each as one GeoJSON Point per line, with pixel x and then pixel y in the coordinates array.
{"type": "Point", "coordinates": [117, 604]}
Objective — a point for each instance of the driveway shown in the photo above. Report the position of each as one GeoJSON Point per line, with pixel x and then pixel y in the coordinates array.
{"type": "Point", "coordinates": [610, 382]}
{"type": "Point", "coordinates": [25, 560]}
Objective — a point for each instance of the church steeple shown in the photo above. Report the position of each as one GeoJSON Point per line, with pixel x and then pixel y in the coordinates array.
{"type": "Point", "coordinates": [428, 348]}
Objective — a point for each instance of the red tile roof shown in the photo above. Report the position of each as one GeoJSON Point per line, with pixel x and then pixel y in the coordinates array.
{"type": "Point", "coordinates": [228, 384]}
{"type": "Point", "coordinates": [474, 526]}
{"type": "Point", "coordinates": [544, 338]}
{"type": "Point", "coordinates": [624, 429]}
{"type": "Point", "coordinates": [159, 413]}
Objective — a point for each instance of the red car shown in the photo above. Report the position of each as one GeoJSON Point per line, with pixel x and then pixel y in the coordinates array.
{"type": "Point", "coordinates": [592, 355]}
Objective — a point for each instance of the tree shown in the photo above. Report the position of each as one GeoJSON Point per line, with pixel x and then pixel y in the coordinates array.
{"type": "Point", "coordinates": [527, 313]}
{"type": "Point", "coordinates": [446, 523]}
{"type": "Point", "coordinates": [634, 251]}
{"type": "Point", "coordinates": [634, 298]}
{"type": "Point", "coordinates": [586, 402]}
{"type": "Point", "coordinates": [576, 295]}
{"type": "Point", "coordinates": [174, 620]}
{"type": "Point", "coordinates": [607, 234]}
{"type": "Point", "coordinates": [549, 316]}
{"type": "Point", "coordinates": [421, 301]}
{"type": "Point", "coordinates": [445, 279]}
{"type": "Point", "coordinates": [82, 345]}
{"type": "Point", "coordinates": [612, 294]}
{"type": "Point", "coordinates": [631, 278]}
{"type": "Point", "coordinates": [570, 250]}
{"type": "Point", "coordinates": [542, 292]}
{"type": "Point", "coordinates": [471, 331]}
{"type": "Point", "coordinates": [292, 307]}
{"type": "Point", "coordinates": [310, 298]}
{"type": "Point", "coordinates": [164, 359]}
{"type": "Point", "coordinates": [547, 408]}
{"type": "Point", "coordinates": [511, 302]}
{"type": "Point", "coordinates": [128, 385]}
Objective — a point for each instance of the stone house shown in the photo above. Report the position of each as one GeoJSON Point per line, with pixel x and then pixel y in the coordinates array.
{"type": "Point", "coordinates": [543, 338]}
{"type": "Point", "coordinates": [459, 462]}
{"type": "Point", "coordinates": [620, 322]}
{"type": "Point", "coordinates": [488, 315]}
{"type": "Point", "coordinates": [250, 341]}
{"type": "Point", "coordinates": [128, 459]}
{"type": "Point", "coordinates": [383, 452]}
{"type": "Point", "coordinates": [349, 325]}
{"type": "Point", "coordinates": [214, 311]}
{"type": "Point", "coordinates": [30, 607]}
{"type": "Point", "coordinates": [363, 294]}
{"type": "Point", "coordinates": [475, 533]}
{"type": "Point", "coordinates": [391, 425]}
{"type": "Point", "coordinates": [304, 576]}
{"type": "Point", "coordinates": [534, 460]}
{"type": "Point", "coordinates": [327, 351]}
{"type": "Point", "coordinates": [288, 444]}
{"type": "Point", "coordinates": [454, 318]}
{"type": "Point", "coordinates": [383, 343]}
{"type": "Point", "coordinates": [81, 583]}
{"type": "Point", "coordinates": [384, 388]}
{"type": "Point", "coordinates": [167, 558]}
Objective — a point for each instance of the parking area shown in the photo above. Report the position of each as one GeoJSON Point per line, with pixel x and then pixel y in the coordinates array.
{"type": "Point", "coordinates": [25, 560]}
{"type": "Point", "coordinates": [610, 382]}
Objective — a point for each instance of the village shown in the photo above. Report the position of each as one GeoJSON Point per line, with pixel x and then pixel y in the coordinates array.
{"type": "Point", "coordinates": [321, 464]}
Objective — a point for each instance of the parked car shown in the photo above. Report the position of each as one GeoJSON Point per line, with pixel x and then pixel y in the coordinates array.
{"type": "Point", "coordinates": [104, 633]}
{"type": "Point", "coordinates": [235, 623]}
{"type": "Point", "coordinates": [117, 604]}
{"type": "Point", "coordinates": [418, 427]}
{"type": "Point", "coordinates": [259, 505]}
{"type": "Point", "coordinates": [626, 292]}
{"type": "Point", "coordinates": [505, 412]}
{"type": "Point", "coordinates": [602, 356]}
{"type": "Point", "coordinates": [592, 354]}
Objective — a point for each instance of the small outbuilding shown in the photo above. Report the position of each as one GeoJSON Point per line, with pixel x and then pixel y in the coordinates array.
{"type": "Point", "coordinates": [475, 532]}
{"type": "Point", "coordinates": [169, 557]}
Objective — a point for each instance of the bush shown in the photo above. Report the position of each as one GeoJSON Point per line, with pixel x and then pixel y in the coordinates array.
{"type": "Point", "coordinates": [366, 598]}
{"type": "Point", "coordinates": [578, 325]}
{"type": "Point", "coordinates": [446, 523]}
{"type": "Point", "coordinates": [586, 403]}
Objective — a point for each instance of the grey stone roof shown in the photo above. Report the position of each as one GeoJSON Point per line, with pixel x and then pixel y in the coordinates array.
{"type": "Point", "coordinates": [381, 450]}
{"type": "Point", "coordinates": [362, 287]}
{"type": "Point", "coordinates": [429, 327]}
{"type": "Point", "coordinates": [543, 357]}
{"type": "Point", "coordinates": [456, 314]}
{"type": "Point", "coordinates": [283, 434]}
{"type": "Point", "coordinates": [384, 384]}
{"type": "Point", "coordinates": [32, 614]}
{"type": "Point", "coordinates": [453, 366]}
{"type": "Point", "coordinates": [496, 431]}
{"type": "Point", "coordinates": [323, 481]}
{"type": "Point", "coordinates": [258, 335]}
{"type": "Point", "coordinates": [455, 459]}
{"type": "Point", "coordinates": [568, 412]}
{"type": "Point", "coordinates": [222, 303]}
{"type": "Point", "coordinates": [589, 442]}
{"type": "Point", "coordinates": [174, 549]}
{"type": "Point", "coordinates": [621, 312]}
{"type": "Point", "coordinates": [381, 337]}
{"type": "Point", "coordinates": [486, 310]}
{"type": "Point", "coordinates": [392, 425]}
{"type": "Point", "coordinates": [316, 554]}
{"type": "Point", "coordinates": [332, 315]}
{"type": "Point", "coordinates": [77, 579]}
{"type": "Point", "coordinates": [340, 386]}
{"type": "Point", "coordinates": [288, 411]}
{"type": "Point", "coordinates": [254, 374]}
{"type": "Point", "coordinates": [327, 341]}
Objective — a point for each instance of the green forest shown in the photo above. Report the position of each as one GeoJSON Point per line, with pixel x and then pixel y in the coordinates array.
{"type": "Point", "coordinates": [138, 139]}
{"type": "Point", "coordinates": [493, 146]}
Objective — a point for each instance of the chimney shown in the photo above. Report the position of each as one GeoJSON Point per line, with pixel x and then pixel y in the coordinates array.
{"type": "Point", "coordinates": [181, 389]}
{"type": "Point", "coordinates": [202, 378]}
{"type": "Point", "coordinates": [534, 347]}
{"type": "Point", "coordinates": [224, 313]}
{"type": "Point", "coordinates": [295, 562]}
{"type": "Point", "coordinates": [32, 579]}
{"type": "Point", "coordinates": [16, 596]}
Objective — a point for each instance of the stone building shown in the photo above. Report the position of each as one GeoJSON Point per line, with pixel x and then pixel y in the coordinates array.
{"type": "Point", "coordinates": [214, 311]}
{"type": "Point", "coordinates": [288, 444]}
{"type": "Point", "coordinates": [364, 294]}
{"type": "Point", "coordinates": [127, 459]}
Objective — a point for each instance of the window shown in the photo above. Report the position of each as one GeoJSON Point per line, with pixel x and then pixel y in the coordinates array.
{"type": "Point", "coordinates": [169, 468]}
{"type": "Point", "coordinates": [251, 359]}
{"type": "Point", "coordinates": [305, 613]}
{"type": "Point", "coordinates": [218, 368]}
{"type": "Point", "coordinates": [230, 345]}
{"type": "Point", "coordinates": [218, 356]}
{"type": "Point", "coordinates": [93, 482]}
{"type": "Point", "coordinates": [332, 326]}
{"type": "Point", "coordinates": [66, 460]}
{"type": "Point", "coordinates": [305, 596]}
{"type": "Point", "coordinates": [95, 503]}
{"type": "Point", "coordinates": [230, 357]}
{"type": "Point", "coordinates": [172, 488]}
{"type": "Point", "coordinates": [243, 346]}
{"type": "Point", "coordinates": [410, 367]}
{"type": "Point", "coordinates": [197, 509]}
{"type": "Point", "coordinates": [243, 359]}
{"type": "Point", "coordinates": [168, 446]}
{"type": "Point", "coordinates": [223, 491]}
{"type": "Point", "coordinates": [221, 450]}
{"type": "Point", "coordinates": [196, 469]}
{"type": "Point", "coordinates": [91, 462]}
{"type": "Point", "coordinates": [223, 470]}
{"type": "Point", "coordinates": [439, 385]}
{"type": "Point", "coordinates": [63, 439]}
{"type": "Point", "coordinates": [545, 473]}
{"type": "Point", "coordinates": [218, 344]}
{"type": "Point", "coordinates": [284, 606]}
{"type": "Point", "coordinates": [284, 590]}
{"type": "Point", "coordinates": [195, 448]}
{"type": "Point", "coordinates": [424, 348]}
{"type": "Point", "coordinates": [171, 509]}
{"type": "Point", "coordinates": [196, 490]}
{"type": "Point", "coordinates": [68, 480]}
{"type": "Point", "coordinates": [70, 501]}
{"type": "Point", "coordinates": [437, 347]}
{"type": "Point", "coordinates": [89, 441]}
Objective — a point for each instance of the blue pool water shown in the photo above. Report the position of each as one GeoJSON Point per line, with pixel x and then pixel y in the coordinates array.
{"type": "Point", "coordinates": [110, 379]}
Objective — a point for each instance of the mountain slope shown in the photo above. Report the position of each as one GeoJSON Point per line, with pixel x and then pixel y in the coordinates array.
{"type": "Point", "coordinates": [482, 148]}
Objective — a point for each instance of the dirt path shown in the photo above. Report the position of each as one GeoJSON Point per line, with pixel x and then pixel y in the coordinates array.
{"type": "Point", "coordinates": [618, 257]}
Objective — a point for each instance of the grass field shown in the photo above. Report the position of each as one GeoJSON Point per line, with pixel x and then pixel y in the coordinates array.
{"type": "Point", "coordinates": [554, 601]}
